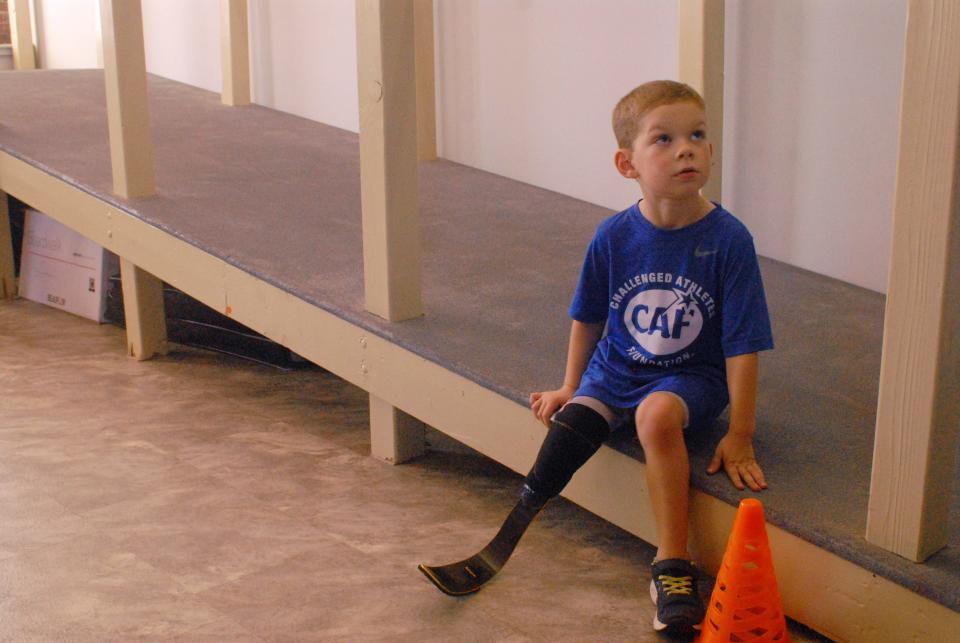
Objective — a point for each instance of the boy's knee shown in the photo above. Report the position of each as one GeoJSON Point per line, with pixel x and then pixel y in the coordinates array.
{"type": "Point", "coordinates": [661, 416]}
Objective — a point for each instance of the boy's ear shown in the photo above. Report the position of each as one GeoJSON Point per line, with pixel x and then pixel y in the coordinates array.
{"type": "Point", "coordinates": [624, 165]}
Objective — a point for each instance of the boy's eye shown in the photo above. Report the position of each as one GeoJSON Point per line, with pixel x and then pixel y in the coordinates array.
{"type": "Point", "coordinates": [663, 138]}
{"type": "Point", "coordinates": [699, 135]}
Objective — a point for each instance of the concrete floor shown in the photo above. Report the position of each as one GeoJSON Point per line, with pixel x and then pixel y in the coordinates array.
{"type": "Point", "coordinates": [199, 497]}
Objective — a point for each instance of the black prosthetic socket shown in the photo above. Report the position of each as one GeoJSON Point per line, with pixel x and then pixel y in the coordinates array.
{"type": "Point", "coordinates": [576, 434]}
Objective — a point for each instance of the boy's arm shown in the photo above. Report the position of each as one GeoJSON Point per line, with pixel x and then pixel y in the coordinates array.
{"type": "Point", "coordinates": [735, 450]}
{"type": "Point", "coordinates": [583, 341]}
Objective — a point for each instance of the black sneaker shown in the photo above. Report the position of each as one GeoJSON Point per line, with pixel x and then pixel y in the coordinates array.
{"type": "Point", "coordinates": [673, 588]}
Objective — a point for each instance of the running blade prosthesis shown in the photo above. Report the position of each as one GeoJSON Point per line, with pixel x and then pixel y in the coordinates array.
{"type": "Point", "coordinates": [468, 576]}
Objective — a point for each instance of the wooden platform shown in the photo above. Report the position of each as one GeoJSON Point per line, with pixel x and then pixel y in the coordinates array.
{"type": "Point", "coordinates": [258, 214]}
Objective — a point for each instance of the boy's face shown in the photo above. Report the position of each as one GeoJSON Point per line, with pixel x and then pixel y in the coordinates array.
{"type": "Point", "coordinates": [670, 157]}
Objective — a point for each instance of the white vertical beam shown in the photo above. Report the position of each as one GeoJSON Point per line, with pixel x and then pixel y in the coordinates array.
{"type": "Point", "coordinates": [701, 29]}
{"type": "Point", "coordinates": [7, 272]}
{"type": "Point", "coordinates": [143, 312]}
{"type": "Point", "coordinates": [394, 436]}
{"type": "Point", "coordinates": [125, 75]}
{"type": "Point", "coordinates": [919, 405]}
{"type": "Point", "coordinates": [389, 192]}
{"type": "Point", "coordinates": [21, 34]}
{"type": "Point", "coordinates": [388, 158]}
{"type": "Point", "coordinates": [426, 83]}
{"type": "Point", "coordinates": [131, 155]}
{"type": "Point", "coordinates": [234, 52]}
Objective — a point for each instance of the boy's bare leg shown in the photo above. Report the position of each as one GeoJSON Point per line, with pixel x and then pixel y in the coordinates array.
{"type": "Point", "coordinates": [660, 420]}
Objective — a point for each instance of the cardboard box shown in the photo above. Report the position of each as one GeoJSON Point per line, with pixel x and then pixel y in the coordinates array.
{"type": "Point", "coordinates": [63, 269]}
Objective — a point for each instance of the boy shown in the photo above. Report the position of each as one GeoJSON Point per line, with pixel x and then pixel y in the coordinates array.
{"type": "Point", "coordinates": [675, 279]}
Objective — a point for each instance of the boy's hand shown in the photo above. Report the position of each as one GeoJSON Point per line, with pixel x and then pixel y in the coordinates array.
{"type": "Point", "coordinates": [735, 453]}
{"type": "Point", "coordinates": [545, 404]}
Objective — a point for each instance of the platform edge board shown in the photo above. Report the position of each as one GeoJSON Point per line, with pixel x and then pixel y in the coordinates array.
{"type": "Point", "coordinates": [491, 423]}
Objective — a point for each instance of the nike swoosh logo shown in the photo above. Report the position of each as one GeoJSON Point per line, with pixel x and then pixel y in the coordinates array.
{"type": "Point", "coordinates": [700, 254]}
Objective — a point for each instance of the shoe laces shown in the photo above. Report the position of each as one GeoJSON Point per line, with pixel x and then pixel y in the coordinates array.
{"type": "Point", "coordinates": [676, 584]}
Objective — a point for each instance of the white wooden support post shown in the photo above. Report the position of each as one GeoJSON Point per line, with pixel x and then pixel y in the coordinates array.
{"type": "Point", "coordinates": [234, 52]}
{"type": "Point", "coordinates": [143, 312]}
{"type": "Point", "coordinates": [394, 436]}
{"type": "Point", "coordinates": [21, 35]}
{"type": "Point", "coordinates": [701, 29]}
{"type": "Point", "coordinates": [389, 185]}
{"type": "Point", "coordinates": [426, 83]}
{"type": "Point", "coordinates": [8, 288]}
{"type": "Point", "coordinates": [919, 405]}
{"type": "Point", "coordinates": [389, 191]}
{"type": "Point", "coordinates": [125, 74]}
{"type": "Point", "coordinates": [131, 155]}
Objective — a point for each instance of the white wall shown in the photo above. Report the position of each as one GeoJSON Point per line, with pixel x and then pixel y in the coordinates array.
{"type": "Point", "coordinates": [812, 101]}
{"type": "Point", "coordinates": [525, 89]}
{"type": "Point", "coordinates": [304, 59]}
{"type": "Point", "coordinates": [182, 40]}
{"type": "Point", "coordinates": [302, 53]}
{"type": "Point", "coordinates": [67, 33]}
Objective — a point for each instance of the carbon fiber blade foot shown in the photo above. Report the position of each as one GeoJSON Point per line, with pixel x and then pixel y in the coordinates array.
{"type": "Point", "coordinates": [467, 576]}
{"type": "Point", "coordinates": [459, 579]}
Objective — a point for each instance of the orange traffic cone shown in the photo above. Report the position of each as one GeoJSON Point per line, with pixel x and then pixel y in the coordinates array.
{"type": "Point", "coordinates": [745, 604]}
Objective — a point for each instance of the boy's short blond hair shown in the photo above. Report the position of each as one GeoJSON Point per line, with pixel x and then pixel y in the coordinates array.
{"type": "Point", "coordinates": [648, 96]}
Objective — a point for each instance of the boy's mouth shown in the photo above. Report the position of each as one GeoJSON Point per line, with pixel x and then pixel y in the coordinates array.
{"type": "Point", "coordinates": [687, 170]}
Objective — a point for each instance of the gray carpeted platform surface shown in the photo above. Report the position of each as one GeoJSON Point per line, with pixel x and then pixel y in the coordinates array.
{"type": "Point", "coordinates": [278, 196]}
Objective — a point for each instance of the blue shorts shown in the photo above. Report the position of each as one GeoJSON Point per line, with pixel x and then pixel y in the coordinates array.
{"type": "Point", "coordinates": [705, 398]}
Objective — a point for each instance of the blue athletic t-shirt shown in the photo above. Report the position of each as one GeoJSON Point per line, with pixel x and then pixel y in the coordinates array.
{"type": "Point", "coordinates": [675, 301]}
